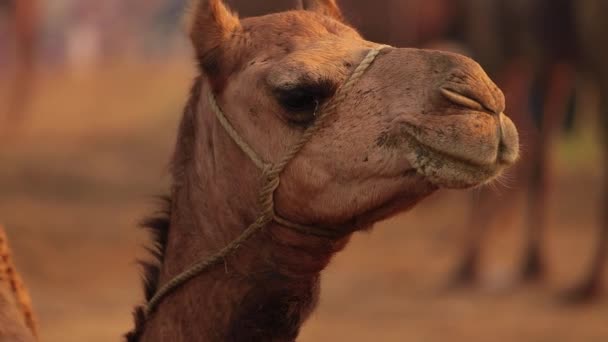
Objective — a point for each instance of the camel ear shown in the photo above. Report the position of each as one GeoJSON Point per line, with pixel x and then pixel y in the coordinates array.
{"type": "Point", "coordinates": [210, 24]}
{"type": "Point", "coordinates": [326, 7]}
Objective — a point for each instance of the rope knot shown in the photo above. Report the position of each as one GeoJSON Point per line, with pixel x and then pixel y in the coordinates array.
{"type": "Point", "coordinates": [270, 180]}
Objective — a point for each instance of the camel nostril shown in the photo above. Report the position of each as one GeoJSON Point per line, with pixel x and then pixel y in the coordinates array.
{"type": "Point", "coordinates": [466, 101]}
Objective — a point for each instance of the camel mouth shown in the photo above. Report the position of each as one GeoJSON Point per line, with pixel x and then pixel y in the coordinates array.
{"type": "Point", "coordinates": [450, 171]}
{"type": "Point", "coordinates": [468, 147]}
{"type": "Point", "coordinates": [465, 159]}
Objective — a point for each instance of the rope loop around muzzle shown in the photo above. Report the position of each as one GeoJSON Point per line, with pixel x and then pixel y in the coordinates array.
{"type": "Point", "coordinates": [271, 179]}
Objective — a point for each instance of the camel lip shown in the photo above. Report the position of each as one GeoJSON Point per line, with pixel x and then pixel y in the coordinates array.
{"type": "Point", "coordinates": [410, 172]}
{"type": "Point", "coordinates": [465, 101]}
{"type": "Point", "coordinates": [506, 151]}
{"type": "Point", "coordinates": [480, 173]}
{"type": "Point", "coordinates": [505, 157]}
{"type": "Point", "coordinates": [498, 162]}
{"type": "Point", "coordinates": [416, 143]}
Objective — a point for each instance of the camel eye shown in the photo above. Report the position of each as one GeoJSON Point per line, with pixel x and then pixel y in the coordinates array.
{"type": "Point", "coordinates": [302, 102]}
{"type": "Point", "coordinates": [298, 100]}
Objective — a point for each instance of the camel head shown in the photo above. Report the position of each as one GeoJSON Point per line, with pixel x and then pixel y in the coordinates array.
{"type": "Point", "coordinates": [416, 120]}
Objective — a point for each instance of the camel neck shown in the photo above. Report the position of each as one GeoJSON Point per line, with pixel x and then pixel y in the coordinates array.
{"type": "Point", "coordinates": [267, 288]}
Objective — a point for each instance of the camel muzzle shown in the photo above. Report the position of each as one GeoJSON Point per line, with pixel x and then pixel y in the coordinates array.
{"type": "Point", "coordinates": [451, 118]}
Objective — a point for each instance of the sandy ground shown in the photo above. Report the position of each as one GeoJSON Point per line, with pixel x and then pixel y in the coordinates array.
{"type": "Point", "coordinates": [94, 153]}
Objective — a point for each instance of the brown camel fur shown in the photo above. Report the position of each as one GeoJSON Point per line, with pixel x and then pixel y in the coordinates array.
{"type": "Point", "coordinates": [16, 315]}
{"type": "Point", "coordinates": [416, 121]}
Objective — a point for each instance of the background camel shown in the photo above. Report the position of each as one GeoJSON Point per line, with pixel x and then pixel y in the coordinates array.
{"type": "Point", "coordinates": [16, 315]}
{"type": "Point", "coordinates": [415, 121]}
{"type": "Point", "coordinates": [21, 20]}
{"type": "Point", "coordinates": [551, 47]}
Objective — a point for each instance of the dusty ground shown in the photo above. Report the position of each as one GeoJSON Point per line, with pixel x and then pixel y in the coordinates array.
{"type": "Point", "coordinates": [94, 153]}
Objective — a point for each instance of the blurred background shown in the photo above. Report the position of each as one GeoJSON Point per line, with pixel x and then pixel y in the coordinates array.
{"type": "Point", "coordinates": [90, 96]}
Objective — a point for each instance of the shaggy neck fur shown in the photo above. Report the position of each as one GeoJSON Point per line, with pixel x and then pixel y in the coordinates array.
{"type": "Point", "coordinates": [267, 289]}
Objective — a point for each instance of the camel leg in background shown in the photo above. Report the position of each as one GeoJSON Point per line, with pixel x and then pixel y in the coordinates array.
{"type": "Point", "coordinates": [533, 268]}
{"type": "Point", "coordinates": [560, 81]}
{"type": "Point", "coordinates": [467, 272]}
{"type": "Point", "coordinates": [592, 284]}
{"type": "Point", "coordinates": [25, 23]}
{"type": "Point", "coordinates": [483, 209]}
{"type": "Point", "coordinates": [489, 206]}
{"type": "Point", "coordinates": [17, 322]}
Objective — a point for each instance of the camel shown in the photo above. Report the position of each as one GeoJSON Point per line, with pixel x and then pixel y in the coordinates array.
{"type": "Point", "coordinates": [17, 323]}
{"type": "Point", "coordinates": [360, 132]}
{"type": "Point", "coordinates": [22, 26]}
{"type": "Point", "coordinates": [547, 44]}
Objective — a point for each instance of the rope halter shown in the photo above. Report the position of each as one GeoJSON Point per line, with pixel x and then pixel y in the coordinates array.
{"type": "Point", "coordinates": [271, 180]}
